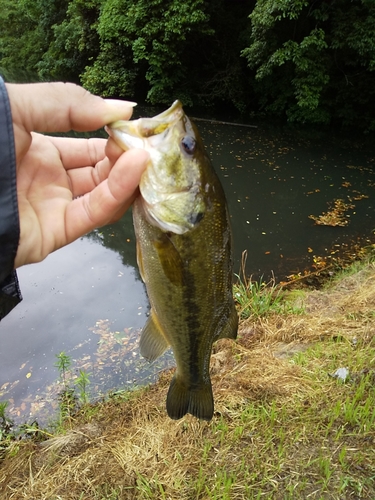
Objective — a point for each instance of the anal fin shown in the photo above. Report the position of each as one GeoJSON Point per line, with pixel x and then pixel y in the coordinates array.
{"type": "Point", "coordinates": [231, 327]}
{"type": "Point", "coordinates": [153, 342]}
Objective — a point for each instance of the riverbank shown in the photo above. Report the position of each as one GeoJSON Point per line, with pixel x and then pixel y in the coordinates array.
{"type": "Point", "coordinates": [289, 421]}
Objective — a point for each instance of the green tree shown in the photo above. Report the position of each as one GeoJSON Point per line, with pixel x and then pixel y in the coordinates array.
{"type": "Point", "coordinates": [74, 43]}
{"type": "Point", "coordinates": [314, 61]}
{"type": "Point", "coordinates": [166, 49]}
{"type": "Point", "coordinates": [149, 39]}
{"type": "Point", "coordinates": [20, 43]}
{"type": "Point", "coordinates": [26, 30]}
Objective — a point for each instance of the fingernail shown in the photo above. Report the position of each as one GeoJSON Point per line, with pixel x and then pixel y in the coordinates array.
{"type": "Point", "coordinates": [115, 102]}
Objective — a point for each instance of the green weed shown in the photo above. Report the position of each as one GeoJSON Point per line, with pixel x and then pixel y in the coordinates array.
{"type": "Point", "coordinates": [63, 363]}
{"type": "Point", "coordinates": [259, 298]}
{"type": "Point", "coordinates": [6, 425]}
{"type": "Point", "coordinates": [68, 399]}
{"type": "Point", "coordinates": [5, 422]}
{"type": "Point", "coordinates": [82, 382]}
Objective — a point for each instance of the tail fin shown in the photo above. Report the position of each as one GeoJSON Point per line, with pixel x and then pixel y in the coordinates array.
{"type": "Point", "coordinates": [198, 401]}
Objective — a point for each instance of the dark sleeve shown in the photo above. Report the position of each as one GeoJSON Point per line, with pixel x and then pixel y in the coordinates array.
{"type": "Point", "coordinates": [10, 294]}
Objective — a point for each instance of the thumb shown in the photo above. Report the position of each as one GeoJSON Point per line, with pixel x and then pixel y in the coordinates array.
{"type": "Point", "coordinates": [60, 107]}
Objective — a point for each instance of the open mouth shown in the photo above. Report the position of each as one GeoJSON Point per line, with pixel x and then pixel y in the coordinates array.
{"type": "Point", "coordinates": [137, 133]}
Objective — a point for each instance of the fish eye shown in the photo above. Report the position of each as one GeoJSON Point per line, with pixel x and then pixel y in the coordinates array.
{"type": "Point", "coordinates": [188, 144]}
{"type": "Point", "coordinates": [195, 218]}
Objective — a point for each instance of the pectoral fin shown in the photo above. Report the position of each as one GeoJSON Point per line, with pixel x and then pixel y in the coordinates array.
{"type": "Point", "coordinates": [153, 342]}
{"type": "Point", "coordinates": [170, 259]}
{"type": "Point", "coordinates": [230, 329]}
{"type": "Point", "coordinates": [140, 261]}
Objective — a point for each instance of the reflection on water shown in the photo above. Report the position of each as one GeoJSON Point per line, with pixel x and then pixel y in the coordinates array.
{"type": "Point", "coordinates": [82, 300]}
{"type": "Point", "coordinates": [87, 299]}
{"type": "Point", "coordinates": [275, 182]}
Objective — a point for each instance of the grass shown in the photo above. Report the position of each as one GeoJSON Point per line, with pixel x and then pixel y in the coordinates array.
{"type": "Point", "coordinates": [284, 426]}
{"type": "Point", "coordinates": [256, 299]}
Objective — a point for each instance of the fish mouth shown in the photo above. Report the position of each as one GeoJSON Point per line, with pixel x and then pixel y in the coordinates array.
{"type": "Point", "coordinates": [145, 132]}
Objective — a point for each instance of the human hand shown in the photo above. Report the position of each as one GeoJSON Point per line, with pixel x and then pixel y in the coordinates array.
{"type": "Point", "coordinates": [66, 187]}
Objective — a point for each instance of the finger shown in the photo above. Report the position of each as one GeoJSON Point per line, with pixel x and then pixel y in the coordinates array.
{"type": "Point", "coordinates": [76, 153]}
{"type": "Point", "coordinates": [59, 107]}
{"type": "Point", "coordinates": [112, 150]}
{"type": "Point", "coordinates": [85, 179]}
{"type": "Point", "coordinates": [109, 199]}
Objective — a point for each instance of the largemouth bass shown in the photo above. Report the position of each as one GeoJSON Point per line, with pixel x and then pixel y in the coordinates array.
{"type": "Point", "coordinates": [184, 255]}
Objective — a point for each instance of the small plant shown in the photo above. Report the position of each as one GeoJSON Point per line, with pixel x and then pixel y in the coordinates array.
{"type": "Point", "coordinates": [67, 402]}
{"type": "Point", "coordinates": [67, 397]}
{"type": "Point", "coordinates": [63, 363]}
{"type": "Point", "coordinates": [223, 486]}
{"type": "Point", "coordinates": [325, 469]}
{"type": "Point", "coordinates": [33, 431]}
{"type": "Point", "coordinates": [82, 382]}
{"type": "Point", "coordinates": [3, 407]}
{"type": "Point", "coordinates": [5, 423]}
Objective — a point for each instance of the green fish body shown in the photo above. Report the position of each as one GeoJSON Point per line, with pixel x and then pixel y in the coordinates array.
{"type": "Point", "coordinates": [184, 254]}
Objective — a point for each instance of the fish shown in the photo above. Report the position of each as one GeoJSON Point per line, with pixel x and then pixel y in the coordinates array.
{"type": "Point", "coordinates": [184, 253]}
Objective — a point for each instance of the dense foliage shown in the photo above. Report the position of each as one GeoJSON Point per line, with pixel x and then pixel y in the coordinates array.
{"type": "Point", "coordinates": [309, 61]}
{"type": "Point", "coordinates": [315, 60]}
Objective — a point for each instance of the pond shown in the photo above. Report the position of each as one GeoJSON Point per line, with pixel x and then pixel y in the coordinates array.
{"type": "Point", "coordinates": [88, 300]}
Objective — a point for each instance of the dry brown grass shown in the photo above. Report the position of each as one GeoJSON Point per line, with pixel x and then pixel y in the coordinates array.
{"type": "Point", "coordinates": [280, 428]}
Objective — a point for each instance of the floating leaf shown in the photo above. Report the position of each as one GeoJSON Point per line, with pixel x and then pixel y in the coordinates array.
{"type": "Point", "coordinates": [335, 217]}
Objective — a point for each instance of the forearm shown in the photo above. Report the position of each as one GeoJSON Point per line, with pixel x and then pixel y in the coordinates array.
{"type": "Point", "coordinates": [9, 219]}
